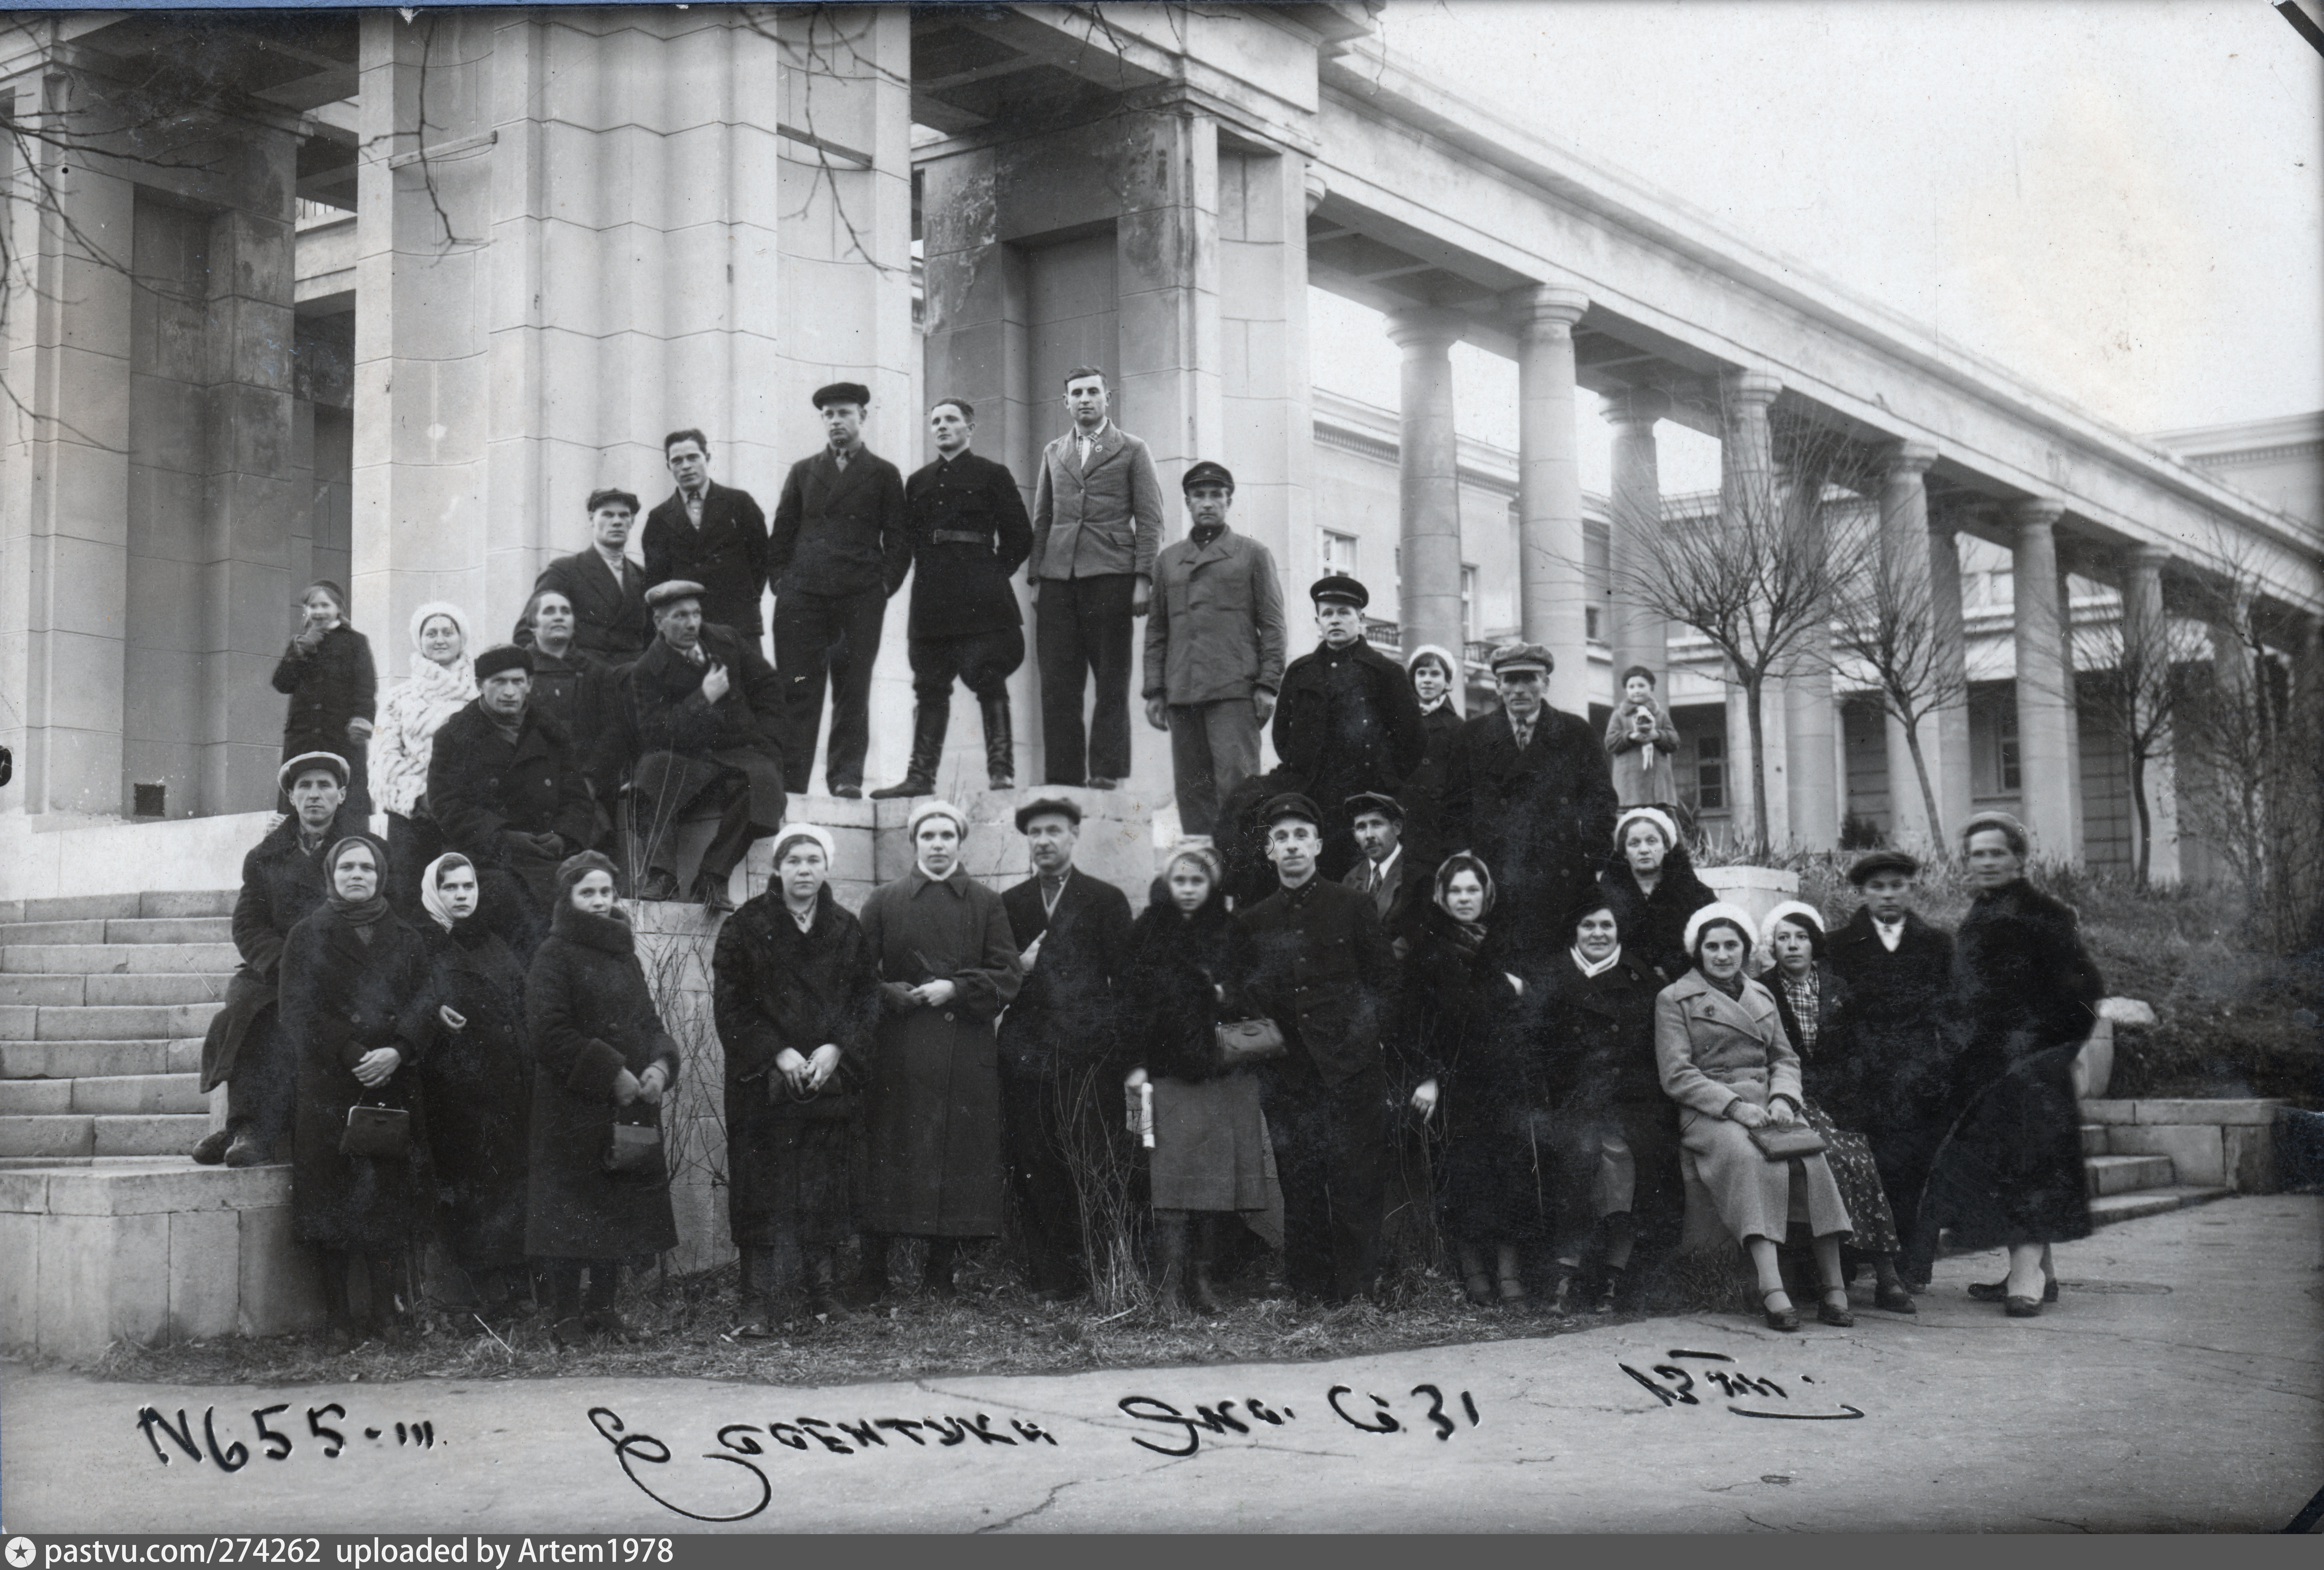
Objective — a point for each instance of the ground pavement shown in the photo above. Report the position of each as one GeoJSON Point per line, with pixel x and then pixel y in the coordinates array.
{"type": "Point", "coordinates": [2178, 1385]}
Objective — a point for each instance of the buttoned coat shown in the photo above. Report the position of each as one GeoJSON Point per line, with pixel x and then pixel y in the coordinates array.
{"type": "Point", "coordinates": [1538, 815]}
{"type": "Point", "coordinates": [961, 586]}
{"type": "Point", "coordinates": [840, 532]}
{"type": "Point", "coordinates": [1063, 1017]}
{"type": "Point", "coordinates": [583, 693]}
{"type": "Point", "coordinates": [1216, 628]}
{"type": "Point", "coordinates": [481, 785]}
{"type": "Point", "coordinates": [1322, 969]}
{"type": "Point", "coordinates": [281, 884]}
{"type": "Point", "coordinates": [478, 1081]}
{"type": "Point", "coordinates": [327, 685]}
{"type": "Point", "coordinates": [665, 711]}
{"type": "Point", "coordinates": [1900, 1056]}
{"type": "Point", "coordinates": [1336, 751]}
{"type": "Point", "coordinates": [1106, 518]}
{"type": "Point", "coordinates": [726, 553]}
{"type": "Point", "coordinates": [610, 620]}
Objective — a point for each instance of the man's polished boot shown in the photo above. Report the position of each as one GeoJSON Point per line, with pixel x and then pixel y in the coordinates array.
{"type": "Point", "coordinates": [929, 721]}
{"type": "Point", "coordinates": [1000, 744]}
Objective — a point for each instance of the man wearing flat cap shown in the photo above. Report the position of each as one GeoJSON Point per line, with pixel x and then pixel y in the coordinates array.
{"type": "Point", "coordinates": [1529, 790]}
{"type": "Point", "coordinates": [1213, 650]}
{"type": "Point", "coordinates": [708, 533]}
{"type": "Point", "coordinates": [699, 708]}
{"type": "Point", "coordinates": [1058, 1077]}
{"type": "Point", "coordinates": [1896, 1079]}
{"type": "Point", "coordinates": [510, 794]}
{"type": "Point", "coordinates": [1348, 722]}
{"type": "Point", "coordinates": [1384, 874]}
{"type": "Point", "coordinates": [1325, 971]}
{"type": "Point", "coordinates": [838, 550]}
{"type": "Point", "coordinates": [246, 1049]}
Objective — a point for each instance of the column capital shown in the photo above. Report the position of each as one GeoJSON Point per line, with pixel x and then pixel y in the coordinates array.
{"type": "Point", "coordinates": [1638, 409]}
{"type": "Point", "coordinates": [2037, 512]}
{"type": "Point", "coordinates": [1317, 188]}
{"type": "Point", "coordinates": [2147, 557]}
{"type": "Point", "coordinates": [1749, 389]}
{"type": "Point", "coordinates": [1910, 459]}
{"type": "Point", "coordinates": [1426, 330]}
{"type": "Point", "coordinates": [1546, 306]}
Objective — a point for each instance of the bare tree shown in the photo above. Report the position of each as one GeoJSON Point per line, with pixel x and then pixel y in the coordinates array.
{"type": "Point", "coordinates": [2130, 683]}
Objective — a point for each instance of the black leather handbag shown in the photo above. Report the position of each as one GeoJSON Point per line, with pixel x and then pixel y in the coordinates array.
{"type": "Point", "coordinates": [1786, 1144]}
{"type": "Point", "coordinates": [381, 1133]}
{"type": "Point", "coordinates": [634, 1148]}
{"type": "Point", "coordinates": [1242, 1042]}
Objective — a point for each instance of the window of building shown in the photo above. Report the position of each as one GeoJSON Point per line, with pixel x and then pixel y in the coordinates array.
{"type": "Point", "coordinates": [1468, 602]}
{"type": "Point", "coordinates": [1710, 772]}
{"type": "Point", "coordinates": [1339, 553]}
{"type": "Point", "coordinates": [1595, 616]}
{"type": "Point", "coordinates": [2005, 739]}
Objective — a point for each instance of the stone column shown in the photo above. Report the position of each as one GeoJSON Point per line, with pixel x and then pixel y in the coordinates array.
{"type": "Point", "coordinates": [1904, 557]}
{"type": "Point", "coordinates": [1955, 791]}
{"type": "Point", "coordinates": [2146, 629]}
{"type": "Point", "coordinates": [2046, 789]}
{"type": "Point", "coordinates": [2070, 698]}
{"type": "Point", "coordinates": [1635, 634]}
{"type": "Point", "coordinates": [1552, 595]}
{"type": "Point", "coordinates": [1428, 483]}
{"type": "Point", "coordinates": [1748, 487]}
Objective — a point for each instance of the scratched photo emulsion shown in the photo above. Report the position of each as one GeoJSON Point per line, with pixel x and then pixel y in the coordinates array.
{"type": "Point", "coordinates": [1138, 768]}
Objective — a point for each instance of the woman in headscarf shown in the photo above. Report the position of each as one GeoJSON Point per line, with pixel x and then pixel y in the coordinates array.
{"type": "Point", "coordinates": [1434, 672]}
{"type": "Point", "coordinates": [443, 681]}
{"type": "Point", "coordinates": [2025, 996]}
{"type": "Point", "coordinates": [599, 1188]}
{"type": "Point", "coordinates": [1463, 1036]}
{"type": "Point", "coordinates": [327, 674]}
{"type": "Point", "coordinates": [1650, 879]}
{"type": "Point", "coordinates": [478, 1078]}
{"type": "Point", "coordinates": [1724, 1060]}
{"type": "Point", "coordinates": [1819, 1022]}
{"type": "Point", "coordinates": [1188, 961]}
{"type": "Point", "coordinates": [797, 990]}
{"type": "Point", "coordinates": [354, 1001]}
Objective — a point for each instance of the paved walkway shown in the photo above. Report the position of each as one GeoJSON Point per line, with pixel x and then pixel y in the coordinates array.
{"type": "Point", "coordinates": [2178, 1385]}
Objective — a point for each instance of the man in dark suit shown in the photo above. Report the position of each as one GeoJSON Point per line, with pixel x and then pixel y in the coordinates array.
{"type": "Point", "coordinates": [1097, 527]}
{"type": "Point", "coordinates": [1386, 875]}
{"type": "Point", "coordinates": [711, 534]}
{"type": "Point", "coordinates": [1899, 1070]}
{"type": "Point", "coordinates": [1325, 974]}
{"type": "Point", "coordinates": [1346, 721]}
{"type": "Point", "coordinates": [699, 706]}
{"type": "Point", "coordinates": [602, 584]}
{"type": "Point", "coordinates": [839, 549]}
{"type": "Point", "coordinates": [1058, 1074]}
{"type": "Point", "coordinates": [1529, 790]}
{"type": "Point", "coordinates": [510, 794]}
{"type": "Point", "coordinates": [969, 533]}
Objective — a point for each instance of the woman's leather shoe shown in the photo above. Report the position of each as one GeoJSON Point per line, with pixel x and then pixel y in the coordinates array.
{"type": "Point", "coordinates": [1895, 1301]}
{"type": "Point", "coordinates": [2022, 1307]}
{"type": "Point", "coordinates": [1830, 1312]}
{"type": "Point", "coordinates": [1995, 1291]}
{"type": "Point", "coordinates": [1785, 1318]}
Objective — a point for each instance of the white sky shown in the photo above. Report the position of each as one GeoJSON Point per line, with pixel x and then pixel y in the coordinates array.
{"type": "Point", "coordinates": [2118, 200]}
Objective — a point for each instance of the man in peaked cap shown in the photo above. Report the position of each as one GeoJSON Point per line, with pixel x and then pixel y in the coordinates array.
{"type": "Point", "coordinates": [1213, 650]}
{"type": "Point", "coordinates": [838, 550]}
{"type": "Point", "coordinates": [1348, 722]}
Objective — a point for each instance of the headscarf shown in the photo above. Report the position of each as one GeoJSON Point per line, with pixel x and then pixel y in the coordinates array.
{"type": "Point", "coordinates": [359, 914]}
{"type": "Point", "coordinates": [456, 682]}
{"type": "Point", "coordinates": [432, 896]}
{"type": "Point", "coordinates": [1470, 934]}
{"type": "Point", "coordinates": [578, 866]}
{"type": "Point", "coordinates": [1201, 854]}
{"type": "Point", "coordinates": [1452, 675]}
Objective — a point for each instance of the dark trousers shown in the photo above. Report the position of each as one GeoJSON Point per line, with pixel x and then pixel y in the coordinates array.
{"type": "Point", "coordinates": [1084, 631]}
{"type": "Point", "coordinates": [1213, 748]}
{"type": "Point", "coordinates": [1903, 1157]}
{"type": "Point", "coordinates": [983, 662]}
{"type": "Point", "coordinates": [262, 1092]}
{"type": "Point", "coordinates": [1042, 1117]}
{"type": "Point", "coordinates": [820, 638]}
{"type": "Point", "coordinates": [1330, 1141]}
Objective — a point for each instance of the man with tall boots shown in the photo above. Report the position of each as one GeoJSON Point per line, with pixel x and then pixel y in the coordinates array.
{"type": "Point", "coordinates": [1097, 527]}
{"type": "Point", "coordinates": [246, 1049]}
{"type": "Point", "coordinates": [969, 533]}
{"type": "Point", "coordinates": [838, 550]}
{"type": "Point", "coordinates": [1057, 1074]}
{"type": "Point", "coordinates": [1348, 722]}
{"type": "Point", "coordinates": [711, 534]}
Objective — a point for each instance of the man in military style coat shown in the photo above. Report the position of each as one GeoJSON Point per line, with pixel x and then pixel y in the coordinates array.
{"type": "Point", "coordinates": [838, 550]}
{"type": "Point", "coordinates": [1529, 790]}
{"type": "Point", "coordinates": [281, 880]}
{"type": "Point", "coordinates": [1059, 1081]}
{"type": "Point", "coordinates": [1097, 527]}
{"type": "Point", "coordinates": [711, 534]}
{"type": "Point", "coordinates": [1326, 975]}
{"type": "Point", "coordinates": [606, 589]}
{"type": "Point", "coordinates": [969, 534]}
{"type": "Point", "coordinates": [1347, 722]}
{"type": "Point", "coordinates": [698, 708]}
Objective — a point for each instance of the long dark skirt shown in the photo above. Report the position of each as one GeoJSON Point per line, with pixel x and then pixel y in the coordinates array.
{"type": "Point", "coordinates": [2011, 1171]}
{"type": "Point", "coordinates": [1497, 1180]}
{"type": "Point", "coordinates": [1857, 1177]}
{"type": "Point", "coordinates": [790, 1170]}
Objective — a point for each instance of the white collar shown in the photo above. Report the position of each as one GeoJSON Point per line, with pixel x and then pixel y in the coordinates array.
{"type": "Point", "coordinates": [1379, 869]}
{"type": "Point", "coordinates": [1601, 967]}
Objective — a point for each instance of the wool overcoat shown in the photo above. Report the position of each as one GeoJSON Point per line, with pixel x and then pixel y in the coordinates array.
{"type": "Point", "coordinates": [478, 1081]}
{"type": "Point", "coordinates": [481, 785]}
{"type": "Point", "coordinates": [1536, 816]}
{"type": "Point", "coordinates": [1063, 1018]}
{"type": "Point", "coordinates": [839, 532]}
{"type": "Point", "coordinates": [1216, 628]}
{"type": "Point", "coordinates": [280, 884]}
{"type": "Point", "coordinates": [1654, 926]}
{"type": "Point", "coordinates": [726, 554]}
{"type": "Point", "coordinates": [1898, 1071]}
{"type": "Point", "coordinates": [610, 618]}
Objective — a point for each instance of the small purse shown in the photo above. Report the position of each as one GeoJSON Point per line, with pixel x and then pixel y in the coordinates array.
{"type": "Point", "coordinates": [636, 1148]}
{"type": "Point", "coordinates": [381, 1133]}
{"type": "Point", "coordinates": [1786, 1144]}
{"type": "Point", "coordinates": [1242, 1042]}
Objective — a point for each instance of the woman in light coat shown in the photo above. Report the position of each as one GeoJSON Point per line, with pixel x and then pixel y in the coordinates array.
{"type": "Point", "coordinates": [1723, 1058]}
{"type": "Point", "coordinates": [442, 682]}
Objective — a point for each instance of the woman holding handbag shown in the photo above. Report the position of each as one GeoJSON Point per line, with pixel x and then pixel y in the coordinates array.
{"type": "Point", "coordinates": [353, 993]}
{"type": "Point", "coordinates": [598, 1189]}
{"type": "Point", "coordinates": [1188, 964]}
{"type": "Point", "coordinates": [1723, 1058]}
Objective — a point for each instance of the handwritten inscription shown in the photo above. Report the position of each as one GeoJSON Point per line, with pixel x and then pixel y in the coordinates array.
{"type": "Point", "coordinates": [1678, 1385]}
{"type": "Point", "coordinates": [1378, 1417]}
{"type": "Point", "coordinates": [273, 1443]}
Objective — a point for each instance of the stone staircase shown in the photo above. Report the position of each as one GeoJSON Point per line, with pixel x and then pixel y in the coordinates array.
{"type": "Point", "coordinates": [2143, 1158]}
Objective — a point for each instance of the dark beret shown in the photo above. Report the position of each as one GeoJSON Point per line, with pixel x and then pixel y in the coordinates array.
{"type": "Point", "coordinates": [503, 656]}
{"type": "Point", "coordinates": [855, 392]}
{"type": "Point", "coordinates": [1045, 806]}
{"type": "Point", "coordinates": [1339, 589]}
{"type": "Point", "coordinates": [1883, 861]}
{"type": "Point", "coordinates": [1207, 473]}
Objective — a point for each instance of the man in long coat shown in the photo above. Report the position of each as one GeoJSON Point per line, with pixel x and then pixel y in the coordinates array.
{"type": "Point", "coordinates": [711, 534]}
{"type": "Point", "coordinates": [932, 1107]}
{"type": "Point", "coordinates": [1529, 790]}
{"type": "Point", "coordinates": [246, 1049]}
{"type": "Point", "coordinates": [509, 794]}
{"type": "Point", "coordinates": [606, 589]}
{"type": "Point", "coordinates": [1347, 722]}
{"type": "Point", "coordinates": [699, 707]}
{"type": "Point", "coordinates": [1057, 1069]}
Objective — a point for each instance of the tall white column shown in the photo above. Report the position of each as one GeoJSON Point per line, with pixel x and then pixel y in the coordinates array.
{"type": "Point", "coordinates": [1636, 635]}
{"type": "Point", "coordinates": [1428, 483]}
{"type": "Point", "coordinates": [1955, 791]}
{"type": "Point", "coordinates": [1549, 491]}
{"type": "Point", "coordinates": [1904, 556]}
{"type": "Point", "coordinates": [2146, 630]}
{"type": "Point", "coordinates": [1747, 487]}
{"type": "Point", "coordinates": [2070, 698]}
{"type": "Point", "coordinates": [2046, 789]}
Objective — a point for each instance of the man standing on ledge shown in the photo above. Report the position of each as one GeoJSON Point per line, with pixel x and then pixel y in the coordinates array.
{"type": "Point", "coordinates": [1097, 527]}
{"type": "Point", "coordinates": [1348, 722]}
{"type": "Point", "coordinates": [602, 584]}
{"type": "Point", "coordinates": [1213, 650]}
{"type": "Point", "coordinates": [838, 550]}
{"type": "Point", "coordinates": [710, 534]}
{"type": "Point", "coordinates": [969, 534]}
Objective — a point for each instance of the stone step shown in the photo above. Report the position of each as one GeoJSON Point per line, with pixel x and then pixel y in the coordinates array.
{"type": "Point", "coordinates": [153, 904]}
{"type": "Point", "coordinates": [116, 1022]}
{"type": "Point", "coordinates": [169, 929]}
{"type": "Point", "coordinates": [2093, 1139]}
{"type": "Point", "coordinates": [99, 1058]}
{"type": "Point", "coordinates": [12, 933]}
{"type": "Point", "coordinates": [2114, 1174]}
{"type": "Point", "coordinates": [118, 958]}
{"type": "Point", "coordinates": [2113, 1208]}
{"type": "Point", "coordinates": [131, 1095]}
{"type": "Point", "coordinates": [50, 990]}
{"type": "Point", "coordinates": [80, 1134]}
{"type": "Point", "coordinates": [82, 908]}
{"type": "Point", "coordinates": [75, 989]}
